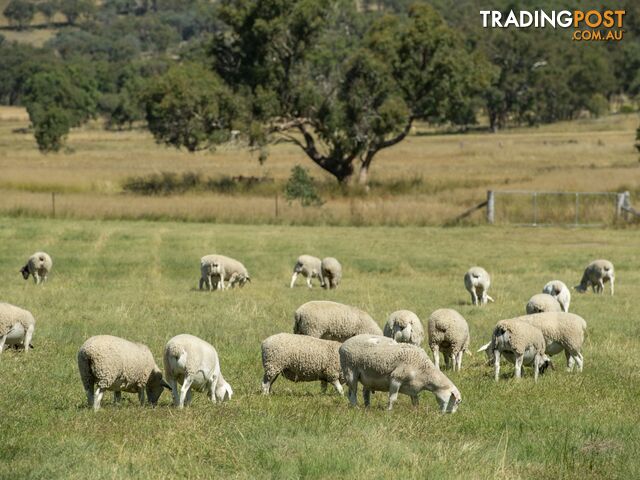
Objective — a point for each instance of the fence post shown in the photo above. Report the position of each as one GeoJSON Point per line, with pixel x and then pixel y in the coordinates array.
{"type": "Point", "coordinates": [53, 204]}
{"type": "Point", "coordinates": [535, 208]}
{"type": "Point", "coordinates": [276, 204]}
{"type": "Point", "coordinates": [491, 206]}
{"type": "Point", "coordinates": [577, 204]}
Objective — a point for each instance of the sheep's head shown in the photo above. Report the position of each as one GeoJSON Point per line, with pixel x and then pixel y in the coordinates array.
{"type": "Point", "coordinates": [580, 288]}
{"type": "Point", "coordinates": [488, 351]}
{"type": "Point", "coordinates": [25, 272]}
{"type": "Point", "coordinates": [223, 391]}
{"type": "Point", "coordinates": [155, 386]}
{"type": "Point", "coordinates": [546, 363]}
{"type": "Point", "coordinates": [448, 399]}
{"type": "Point", "coordinates": [215, 268]}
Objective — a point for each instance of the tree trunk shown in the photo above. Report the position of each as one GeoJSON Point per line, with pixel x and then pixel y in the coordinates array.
{"type": "Point", "coordinates": [363, 175]}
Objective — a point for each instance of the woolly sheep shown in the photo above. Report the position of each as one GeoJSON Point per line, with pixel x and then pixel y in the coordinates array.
{"type": "Point", "coordinates": [300, 358]}
{"type": "Point", "coordinates": [331, 273]}
{"type": "Point", "coordinates": [194, 364]}
{"type": "Point", "coordinates": [118, 365]}
{"type": "Point", "coordinates": [38, 265]}
{"type": "Point", "coordinates": [596, 275]}
{"type": "Point", "coordinates": [477, 282]}
{"type": "Point", "coordinates": [542, 302]}
{"type": "Point", "coordinates": [559, 290]}
{"type": "Point", "coordinates": [448, 332]}
{"type": "Point", "coordinates": [16, 327]}
{"type": "Point", "coordinates": [404, 326]}
{"type": "Point", "coordinates": [382, 364]}
{"type": "Point", "coordinates": [520, 343]}
{"type": "Point", "coordinates": [332, 321]}
{"type": "Point", "coordinates": [310, 267]}
{"type": "Point", "coordinates": [216, 269]}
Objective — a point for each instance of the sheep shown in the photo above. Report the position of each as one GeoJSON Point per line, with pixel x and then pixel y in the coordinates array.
{"type": "Point", "coordinates": [300, 358]}
{"type": "Point", "coordinates": [118, 365]}
{"type": "Point", "coordinates": [521, 344]}
{"type": "Point", "coordinates": [38, 265]}
{"type": "Point", "coordinates": [404, 326]}
{"type": "Point", "coordinates": [310, 267]}
{"type": "Point", "coordinates": [218, 269]}
{"type": "Point", "coordinates": [559, 290]}
{"type": "Point", "coordinates": [596, 275]}
{"type": "Point", "coordinates": [477, 282]}
{"type": "Point", "coordinates": [194, 363]}
{"type": "Point", "coordinates": [332, 321]}
{"type": "Point", "coordinates": [542, 302]}
{"type": "Point", "coordinates": [448, 332]}
{"type": "Point", "coordinates": [16, 327]}
{"type": "Point", "coordinates": [330, 273]}
{"type": "Point", "coordinates": [382, 364]}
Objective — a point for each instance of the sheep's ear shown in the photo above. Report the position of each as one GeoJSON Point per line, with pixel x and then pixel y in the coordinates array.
{"type": "Point", "coordinates": [484, 347]}
{"type": "Point", "coordinates": [166, 385]}
{"type": "Point", "coordinates": [249, 279]}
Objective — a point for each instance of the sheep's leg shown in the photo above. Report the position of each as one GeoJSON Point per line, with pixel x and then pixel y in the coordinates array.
{"type": "Point", "coordinates": [436, 356]}
{"type": "Point", "coordinates": [267, 381]}
{"type": "Point", "coordinates": [600, 285]}
{"type": "Point", "coordinates": [213, 384]}
{"type": "Point", "coordinates": [353, 392]}
{"type": "Point", "coordinates": [117, 397]}
{"type": "Point", "coordinates": [458, 363]}
{"type": "Point", "coordinates": [414, 400]}
{"type": "Point", "coordinates": [187, 399]}
{"type": "Point", "coordinates": [366, 395]}
{"type": "Point", "coordinates": [174, 390]}
{"type": "Point", "coordinates": [141, 395]}
{"type": "Point", "coordinates": [293, 279]}
{"type": "Point", "coordinates": [580, 361]}
{"type": "Point", "coordinates": [88, 389]}
{"type": "Point", "coordinates": [27, 338]}
{"type": "Point", "coordinates": [611, 280]}
{"type": "Point", "coordinates": [309, 282]}
{"type": "Point", "coordinates": [3, 339]}
{"type": "Point", "coordinates": [201, 283]}
{"type": "Point", "coordinates": [186, 385]}
{"type": "Point", "coordinates": [536, 367]}
{"type": "Point", "coordinates": [221, 283]}
{"type": "Point", "coordinates": [36, 278]}
{"type": "Point", "coordinates": [394, 388]}
{"type": "Point", "coordinates": [451, 361]}
{"type": "Point", "coordinates": [519, 360]}
{"type": "Point", "coordinates": [336, 384]}
{"type": "Point", "coordinates": [323, 386]}
{"type": "Point", "coordinates": [570, 361]}
{"type": "Point", "coordinates": [484, 297]}
{"type": "Point", "coordinates": [496, 364]}
{"type": "Point", "coordinates": [474, 296]}
{"type": "Point", "coordinates": [98, 398]}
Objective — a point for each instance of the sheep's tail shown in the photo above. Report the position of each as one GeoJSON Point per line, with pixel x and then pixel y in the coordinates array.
{"type": "Point", "coordinates": [490, 299]}
{"type": "Point", "coordinates": [296, 323]}
{"type": "Point", "coordinates": [85, 366]}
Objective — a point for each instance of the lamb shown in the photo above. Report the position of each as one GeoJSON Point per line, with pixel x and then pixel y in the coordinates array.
{"type": "Point", "coordinates": [194, 363]}
{"type": "Point", "coordinates": [216, 269]}
{"type": "Point", "coordinates": [382, 364]}
{"type": "Point", "coordinates": [38, 265]}
{"type": "Point", "coordinates": [116, 364]}
{"type": "Point", "coordinates": [559, 290]}
{"type": "Point", "coordinates": [404, 326]}
{"type": "Point", "coordinates": [542, 302]}
{"type": "Point", "coordinates": [477, 282]}
{"type": "Point", "coordinates": [448, 332]}
{"type": "Point", "coordinates": [331, 273]}
{"type": "Point", "coordinates": [16, 327]}
{"type": "Point", "coordinates": [596, 275]}
{"type": "Point", "coordinates": [310, 267]}
{"type": "Point", "coordinates": [521, 344]}
{"type": "Point", "coordinates": [332, 321]}
{"type": "Point", "coordinates": [300, 358]}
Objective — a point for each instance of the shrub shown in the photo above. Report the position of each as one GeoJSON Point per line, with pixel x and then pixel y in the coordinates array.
{"type": "Point", "coordinates": [301, 186]}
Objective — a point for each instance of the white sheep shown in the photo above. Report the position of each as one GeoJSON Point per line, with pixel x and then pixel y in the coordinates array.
{"type": "Point", "coordinates": [310, 267]}
{"type": "Point", "coordinates": [542, 302]}
{"type": "Point", "coordinates": [596, 275]}
{"type": "Point", "coordinates": [38, 265]}
{"type": "Point", "coordinates": [332, 321]}
{"type": "Point", "coordinates": [331, 273]}
{"type": "Point", "coordinates": [301, 358]}
{"type": "Point", "coordinates": [559, 290]}
{"type": "Point", "coordinates": [477, 282]}
{"type": "Point", "coordinates": [521, 344]}
{"type": "Point", "coordinates": [404, 326]}
{"type": "Point", "coordinates": [16, 327]}
{"type": "Point", "coordinates": [118, 365]}
{"type": "Point", "coordinates": [194, 364]}
{"type": "Point", "coordinates": [448, 333]}
{"type": "Point", "coordinates": [382, 364]}
{"type": "Point", "coordinates": [216, 269]}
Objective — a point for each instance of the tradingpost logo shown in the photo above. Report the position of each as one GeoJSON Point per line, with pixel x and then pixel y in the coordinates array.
{"type": "Point", "coordinates": [588, 25]}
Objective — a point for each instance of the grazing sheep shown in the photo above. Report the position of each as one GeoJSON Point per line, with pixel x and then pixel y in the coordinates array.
{"type": "Point", "coordinates": [477, 283]}
{"type": "Point", "coordinates": [16, 327]}
{"type": "Point", "coordinates": [216, 269]}
{"type": "Point", "coordinates": [300, 358]}
{"type": "Point", "coordinates": [194, 363]}
{"type": "Point", "coordinates": [596, 275]}
{"type": "Point", "coordinates": [559, 290]}
{"type": "Point", "coordinates": [310, 267]}
{"type": "Point", "coordinates": [404, 326]}
{"type": "Point", "coordinates": [449, 333]}
{"type": "Point", "coordinates": [382, 364]}
{"type": "Point", "coordinates": [542, 302]}
{"type": "Point", "coordinates": [521, 344]}
{"type": "Point", "coordinates": [38, 265]}
{"type": "Point", "coordinates": [331, 273]}
{"type": "Point", "coordinates": [332, 321]}
{"type": "Point", "coordinates": [116, 364]}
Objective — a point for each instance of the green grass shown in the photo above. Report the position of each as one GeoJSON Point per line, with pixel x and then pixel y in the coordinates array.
{"type": "Point", "coordinates": [138, 280]}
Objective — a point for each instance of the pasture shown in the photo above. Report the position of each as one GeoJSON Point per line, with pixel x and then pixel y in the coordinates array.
{"type": "Point", "coordinates": [138, 280]}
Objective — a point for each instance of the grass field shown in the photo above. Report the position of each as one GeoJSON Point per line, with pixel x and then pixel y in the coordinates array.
{"type": "Point", "coordinates": [138, 280]}
{"type": "Point", "coordinates": [438, 176]}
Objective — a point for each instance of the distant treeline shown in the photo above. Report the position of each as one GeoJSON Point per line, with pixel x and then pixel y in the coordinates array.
{"type": "Point", "coordinates": [340, 79]}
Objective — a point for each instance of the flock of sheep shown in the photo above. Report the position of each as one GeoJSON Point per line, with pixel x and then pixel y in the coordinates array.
{"type": "Point", "coordinates": [331, 342]}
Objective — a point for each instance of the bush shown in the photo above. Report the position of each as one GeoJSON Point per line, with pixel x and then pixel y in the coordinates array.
{"type": "Point", "coordinates": [301, 186]}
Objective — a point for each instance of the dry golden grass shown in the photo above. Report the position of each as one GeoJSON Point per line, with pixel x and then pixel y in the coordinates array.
{"type": "Point", "coordinates": [456, 170]}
